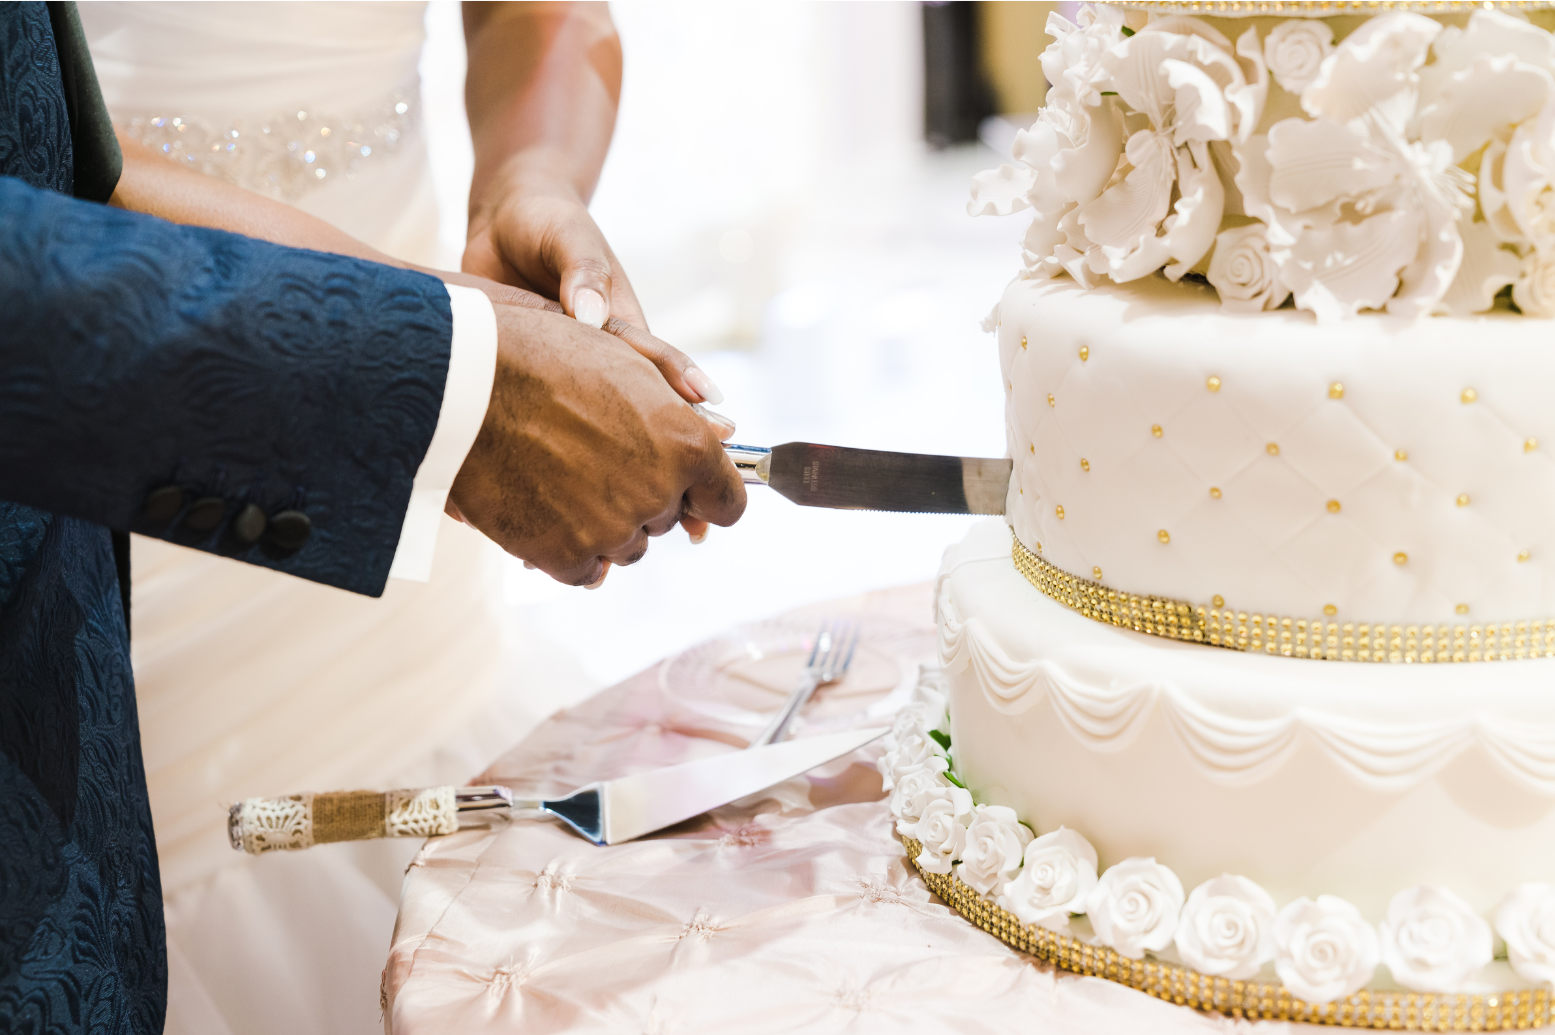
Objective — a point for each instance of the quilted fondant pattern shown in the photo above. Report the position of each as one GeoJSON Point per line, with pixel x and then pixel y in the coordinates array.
{"type": "Point", "coordinates": [1422, 489]}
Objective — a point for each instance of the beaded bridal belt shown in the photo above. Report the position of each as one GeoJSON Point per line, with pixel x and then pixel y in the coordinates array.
{"type": "Point", "coordinates": [1216, 625]}
{"type": "Point", "coordinates": [285, 154]}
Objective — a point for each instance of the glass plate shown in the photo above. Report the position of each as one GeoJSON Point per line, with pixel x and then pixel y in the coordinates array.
{"type": "Point", "coordinates": [743, 676]}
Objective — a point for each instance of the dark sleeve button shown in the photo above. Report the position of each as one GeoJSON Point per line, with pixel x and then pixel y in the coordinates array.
{"type": "Point", "coordinates": [206, 513]}
{"type": "Point", "coordinates": [162, 505]}
{"type": "Point", "coordinates": [249, 525]}
{"type": "Point", "coordinates": [290, 529]}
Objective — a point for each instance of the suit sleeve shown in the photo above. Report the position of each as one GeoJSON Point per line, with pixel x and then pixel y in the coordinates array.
{"type": "Point", "coordinates": [265, 403]}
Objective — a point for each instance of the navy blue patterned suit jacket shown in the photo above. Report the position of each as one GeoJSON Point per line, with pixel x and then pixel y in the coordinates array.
{"type": "Point", "coordinates": [268, 404]}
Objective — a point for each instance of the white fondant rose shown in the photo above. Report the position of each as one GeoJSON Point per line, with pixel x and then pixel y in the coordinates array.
{"type": "Point", "coordinates": [1058, 875]}
{"type": "Point", "coordinates": [909, 752]}
{"type": "Point", "coordinates": [912, 795]}
{"type": "Point", "coordinates": [1534, 291]}
{"type": "Point", "coordinates": [995, 840]}
{"type": "Point", "coordinates": [1525, 919]}
{"type": "Point", "coordinates": [1134, 907]}
{"type": "Point", "coordinates": [1243, 271]}
{"type": "Point", "coordinates": [1323, 949]}
{"type": "Point", "coordinates": [1432, 940]}
{"type": "Point", "coordinates": [942, 831]}
{"type": "Point", "coordinates": [1227, 928]}
{"type": "Point", "coordinates": [1295, 50]}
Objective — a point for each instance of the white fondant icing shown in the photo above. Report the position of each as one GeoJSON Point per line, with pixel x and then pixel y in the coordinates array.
{"type": "Point", "coordinates": [1305, 776]}
{"type": "Point", "coordinates": [1324, 949]}
{"type": "Point", "coordinates": [1270, 543]}
{"type": "Point", "coordinates": [1227, 928]}
{"type": "Point", "coordinates": [1134, 907]}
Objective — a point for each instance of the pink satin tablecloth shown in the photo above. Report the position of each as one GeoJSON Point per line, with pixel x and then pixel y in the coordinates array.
{"type": "Point", "coordinates": [792, 910]}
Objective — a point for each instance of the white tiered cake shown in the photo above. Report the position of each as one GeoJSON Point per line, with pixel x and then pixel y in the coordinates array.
{"type": "Point", "coordinates": [1279, 374]}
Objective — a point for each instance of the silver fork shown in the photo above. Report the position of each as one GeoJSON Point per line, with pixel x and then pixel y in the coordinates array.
{"type": "Point", "coordinates": [828, 662]}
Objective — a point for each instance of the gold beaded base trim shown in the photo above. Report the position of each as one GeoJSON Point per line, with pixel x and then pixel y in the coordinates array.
{"type": "Point", "coordinates": [1315, 638]}
{"type": "Point", "coordinates": [1251, 1000]}
{"type": "Point", "coordinates": [1326, 8]}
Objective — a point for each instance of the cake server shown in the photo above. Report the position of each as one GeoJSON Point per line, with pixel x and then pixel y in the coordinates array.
{"type": "Point", "coordinates": [845, 478]}
{"type": "Point", "coordinates": [606, 813]}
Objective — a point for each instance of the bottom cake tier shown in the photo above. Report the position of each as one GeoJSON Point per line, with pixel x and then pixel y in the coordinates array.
{"type": "Point", "coordinates": [1334, 826]}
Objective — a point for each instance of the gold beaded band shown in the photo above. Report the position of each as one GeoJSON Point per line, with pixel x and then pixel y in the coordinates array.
{"type": "Point", "coordinates": [1315, 638]}
{"type": "Point", "coordinates": [1249, 1000]}
{"type": "Point", "coordinates": [1326, 8]}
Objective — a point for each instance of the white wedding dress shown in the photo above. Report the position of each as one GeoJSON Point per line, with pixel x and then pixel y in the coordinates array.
{"type": "Point", "coordinates": [254, 683]}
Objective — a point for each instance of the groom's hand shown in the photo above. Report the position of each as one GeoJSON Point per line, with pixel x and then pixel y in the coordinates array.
{"type": "Point", "coordinates": [586, 452]}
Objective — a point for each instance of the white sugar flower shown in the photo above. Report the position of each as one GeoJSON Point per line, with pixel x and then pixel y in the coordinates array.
{"type": "Point", "coordinates": [1323, 949]}
{"type": "Point", "coordinates": [1134, 907]}
{"type": "Point", "coordinates": [1244, 272]}
{"type": "Point", "coordinates": [1360, 214]}
{"type": "Point", "coordinates": [1180, 76]}
{"type": "Point", "coordinates": [1534, 291]}
{"type": "Point", "coordinates": [995, 840]}
{"type": "Point", "coordinates": [912, 795]}
{"type": "Point", "coordinates": [942, 832]}
{"type": "Point", "coordinates": [1227, 928]}
{"type": "Point", "coordinates": [1525, 920]}
{"type": "Point", "coordinates": [911, 750]}
{"type": "Point", "coordinates": [1067, 156]}
{"type": "Point", "coordinates": [1058, 874]}
{"type": "Point", "coordinates": [1295, 49]}
{"type": "Point", "coordinates": [1432, 940]}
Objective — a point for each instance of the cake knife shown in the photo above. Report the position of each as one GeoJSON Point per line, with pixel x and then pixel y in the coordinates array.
{"type": "Point", "coordinates": [606, 813]}
{"type": "Point", "coordinates": [845, 478]}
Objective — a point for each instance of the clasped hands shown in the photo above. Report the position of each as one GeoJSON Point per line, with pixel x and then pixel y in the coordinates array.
{"type": "Point", "coordinates": [590, 443]}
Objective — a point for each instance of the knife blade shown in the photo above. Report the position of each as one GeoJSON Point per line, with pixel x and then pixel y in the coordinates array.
{"type": "Point", "coordinates": [606, 813]}
{"type": "Point", "coordinates": [619, 810]}
{"type": "Point", "coordinates": [845, 478]}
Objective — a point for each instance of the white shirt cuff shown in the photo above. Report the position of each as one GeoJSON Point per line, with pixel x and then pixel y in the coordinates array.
{"type": "Point", "coordinates": [472, 364]}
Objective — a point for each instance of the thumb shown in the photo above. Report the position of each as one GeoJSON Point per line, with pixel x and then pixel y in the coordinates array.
{"type": "Point", "coordinates": [580, 259]}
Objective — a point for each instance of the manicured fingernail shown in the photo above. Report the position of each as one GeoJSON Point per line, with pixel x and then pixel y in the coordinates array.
{"type": "Point", "coordinates": [596, 585]}
{"type": "Point", "coordinates": [698, 540]}
{"type": "Point", "coordinates": [588, 306]}
{"type": "Point", "coordinates": [703, 385]}
{"type": "Point", "coordinates": [531, 567]}
{"type": "Point", "coordinates": [714, 417]}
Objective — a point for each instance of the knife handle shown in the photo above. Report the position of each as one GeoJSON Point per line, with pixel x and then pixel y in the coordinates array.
{"type": "Point", "coordinates": [753, 462]}
{"type": "Point", "coordinates": [259, 825]}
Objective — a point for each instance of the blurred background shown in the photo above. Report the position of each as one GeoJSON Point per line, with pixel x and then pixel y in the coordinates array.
{"type": "Point", "coordinates": [787, 190]}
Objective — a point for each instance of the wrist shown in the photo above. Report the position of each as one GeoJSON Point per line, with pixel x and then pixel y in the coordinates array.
{"type": "Point", "coordinates": [538, 170]}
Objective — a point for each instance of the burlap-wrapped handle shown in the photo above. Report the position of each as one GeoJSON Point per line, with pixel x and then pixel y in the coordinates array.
{"type": "Point", "coordinates": [258, 825]}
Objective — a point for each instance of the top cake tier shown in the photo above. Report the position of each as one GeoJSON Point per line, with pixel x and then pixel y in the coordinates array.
{"type": "Point", "coordinates": [1391, 161]}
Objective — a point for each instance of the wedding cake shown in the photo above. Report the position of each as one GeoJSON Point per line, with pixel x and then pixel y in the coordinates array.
{"type": "Point", "coordinates": [1217, 716]}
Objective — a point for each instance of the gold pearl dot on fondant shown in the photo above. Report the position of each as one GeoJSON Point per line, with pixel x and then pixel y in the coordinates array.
{"type": "Point", "coordinates": [1401, 454]}
{"type": "Point", "coordinates": [1213, 384]}
{"type": "Point", "coordinates": [1336, 391]}
{"type": "Point", "coordinates": [1033, 449]}
{"type": "Point", "coordinates": [1096, 572]}
{"type": "Point", "coordinates": [1530, 444]}
{"type": "Point", "coordinates": [1214, 493]}
{"type": "Point", "coordinates": [1218, 600]}
{"type": "Point", "coordinates": [1273, 449]}
{"type": "Point", "coordinates": [1155, 429]}
{"type": "Point", "coordinates": [1039, 547]}
{"type": "Point", "coordinates": [1463, 499]}
{"type": "Point", "coordinates": [1085, 465]}
{"type": "Point", "coordinates": [1164, 536]}
{"type": "Point", "coordinates": [1022, 341]}
{"type": "Point", "coordinates": [1050, 401]}
{"type": "Point", "coordinates": [1401, 558]}
{"type": "Point", "coordinates": [1468, 395]}
{"type": "Point", "coordinates": [1522, 555]}
{"type": "Point", "coordinates": [1330, 610]}
{"type": "Point", "coordinates": [1333, 506]}
{"type": "Point", "coordinates": [1462, 609]}
{"type": "Point", "coordinates": [1060, 512]}
{"type": "Point", "coordinates": [1085, 353]}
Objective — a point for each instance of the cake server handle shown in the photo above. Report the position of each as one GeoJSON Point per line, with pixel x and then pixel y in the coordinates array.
{"type": "Point", "coordinates": [259, 825]}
